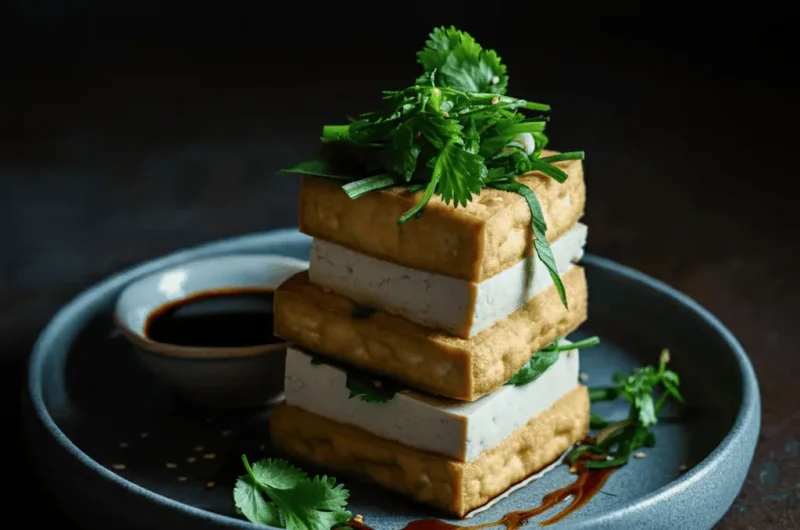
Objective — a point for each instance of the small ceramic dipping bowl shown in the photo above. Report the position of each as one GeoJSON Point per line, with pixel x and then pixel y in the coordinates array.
{"type": "Point", "coordinates": [212, 373]}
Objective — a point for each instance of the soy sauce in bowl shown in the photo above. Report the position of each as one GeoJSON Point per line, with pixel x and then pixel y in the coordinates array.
{"type": "Point", "coordinates": [229, 318]}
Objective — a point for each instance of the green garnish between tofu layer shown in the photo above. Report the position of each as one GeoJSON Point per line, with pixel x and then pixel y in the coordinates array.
{"type": "Point", "coordinates": [451, 134]}
{"type": "Point", "coordinates": [373, 390]}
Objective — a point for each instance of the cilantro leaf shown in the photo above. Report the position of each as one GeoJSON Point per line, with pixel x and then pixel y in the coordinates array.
{"type": "Point", "coordinates": [277, 473]}
{"type": "Point", "coordinates": [619, 440]}
{"type": "Point", "coordinates": [453, 58]}
{"type": "Point", "coordinates": [250, 503]}
{"type": "Point", "coordinates": [534, 368]}
{"type": "Point", "coordinates": [451, 134]}
{"type": "Point", "coordinates": [371, 391]}
{"type": "Point", "coordinates": [461, 174]}
{"type": "Point", "coordinates": [298, 502]}
{"type": "Point", "coordinates": [545, 358]}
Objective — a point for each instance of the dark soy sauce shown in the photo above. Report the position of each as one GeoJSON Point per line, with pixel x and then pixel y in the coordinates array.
{"type": "Point", "coordinates": [587, 484]}
{"type": "Point", "coordinates": [229, 318]}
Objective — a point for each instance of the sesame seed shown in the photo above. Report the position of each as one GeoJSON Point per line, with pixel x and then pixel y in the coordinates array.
{"type": "Point", "coordinates": [118, 467]}
{"type": "Point", "coordinates": [573, 469]}
{"type": "Point", "coordinates": [144, 434]}
{"type": "Point", "coordinates": [171, 465]}
{"type": "Point", "coordinates": [190, 459]}
{"type": "Point", "coordinates": [377, 383]}
{"type": "Point", "coordinates": [181, 479]}
{"type": "Point", "coordinates": [358, 518]}
{"type": "Point", "coordinates": [683, 468]}
{"type": "Point", "coordinates": [495, 100]}
{"type": "Point", "coordinates": [583, 376]}
{"type": "Point", "coordinates": [210, 456]}
{"type": "Point", "coordinates": [226, 432]}
{"type": "Point", "coordinates": [639, 455]}
{"type": "Point", "coordinates": [495, 80]}
{"type": "Point", "coordinates": [123, 445]}
{"type": "Point", "coordinates": [445, 114]}
{"type": "Point", "coordinates": [198, 449]}
{"type": "Point", "coordinates": [437, 92]}
{"type": "Point", "coordinates": [210, 484]}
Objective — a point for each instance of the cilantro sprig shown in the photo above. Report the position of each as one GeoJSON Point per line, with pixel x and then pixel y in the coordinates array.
{"type": "Point", "coordinates": [371, 390]}
{"type": "Point", "coordinates": [613, 446]}
{"type": "Point", "coordinates": [275, 493]}
{"type": "Point", "coordinates": [451, 134]}
{"type": "Point", "coordinates": [544, 359]}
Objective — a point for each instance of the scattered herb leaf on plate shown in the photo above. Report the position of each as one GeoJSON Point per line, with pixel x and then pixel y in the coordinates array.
{"type": "Point", "coordinates": [276, 493]}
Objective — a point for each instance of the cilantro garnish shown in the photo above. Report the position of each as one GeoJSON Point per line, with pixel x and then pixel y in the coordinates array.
{"type": "Point", "coordinates": [451, 134]}
{"type": "Point", "coordinates": [544, 359]}
{"type": "Point", "coordinates": [617, 441]}
{"type": "Point", "coordinates": [275, 493]}
{"type": "Point", "coordinates": [370, 390]}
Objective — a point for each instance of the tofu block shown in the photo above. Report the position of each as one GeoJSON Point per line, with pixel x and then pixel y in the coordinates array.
{"type": "Point", "coordinates": [458, 430]}
{"type": "Point", "coordinates": [455, 487]}
{"type": "Point", "coordinates": [460, 307]}
{"type": "Point", "coordinates": [475, 242]}
{"type": "Point", "coordinates": [424, 359]}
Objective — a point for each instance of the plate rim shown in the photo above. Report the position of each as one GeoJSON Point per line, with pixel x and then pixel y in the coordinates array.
{"type": "Point", "coordinates": [748, 411]}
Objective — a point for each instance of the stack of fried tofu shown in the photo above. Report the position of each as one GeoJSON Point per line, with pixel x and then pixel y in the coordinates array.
{"type": "Point", "coordinates": [436, 316]}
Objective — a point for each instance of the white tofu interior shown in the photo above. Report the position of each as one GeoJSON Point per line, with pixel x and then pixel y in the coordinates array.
{"type": "Point", "coordinates": [437, 301]}
{"type": "Point", "coordinates": [457, 429]}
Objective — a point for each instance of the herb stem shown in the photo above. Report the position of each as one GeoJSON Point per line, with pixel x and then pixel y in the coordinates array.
{"type": "Point", "coordinates": [553, 172]}
{"type": "Point", "coordinates": [426, 197]}
{"type": "Point", "coordinates": [332, 133]}
{"type": "Point", "coordinates": [560, 157]}
{"type": "Point", "coordinates": [361, 187]}
{"type": "Point", "coordinates": [596, 395]}
{"type": "Point", "coordinates": [585, 343]}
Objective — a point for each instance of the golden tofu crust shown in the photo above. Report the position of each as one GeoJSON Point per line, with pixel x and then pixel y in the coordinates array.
{"type": "Point", "coordinates": [321, 321]}
{"type": "Point", "coordinates": [455, 487]}
{"type": "Point", "coordinates": [475, 242]}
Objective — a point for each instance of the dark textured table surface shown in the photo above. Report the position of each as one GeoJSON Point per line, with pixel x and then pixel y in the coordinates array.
{"type": "Point", "coordinates": [128, 152]}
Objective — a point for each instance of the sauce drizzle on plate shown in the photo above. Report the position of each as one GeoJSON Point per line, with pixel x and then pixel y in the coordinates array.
{"type": "Point", "coordinates": [588, 483]}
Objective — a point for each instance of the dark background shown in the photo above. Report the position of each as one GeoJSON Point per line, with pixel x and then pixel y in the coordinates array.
{"type": "Point", "coordinates": [128, 130]}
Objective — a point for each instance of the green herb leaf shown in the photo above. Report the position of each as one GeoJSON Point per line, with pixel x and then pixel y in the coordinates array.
{"type": "Point", "coordinates": [545, 358]}
{"type": "Point", "coordinates": [619, 440]}
{"type": "Point", "coordinates": [452, 133]}
{"type": "Point", "coordinates": [596, 422]}
{"type": "Point", "coordinates": [461, 174]}
{"type": "Point", "coordinates": [301, 502]}
{"type": "Point", "coordinates": [535, 367]}
{"type": "Point", "coordinates": [540, 243]}
{"type": "Point", "coordinates": [361, 187]}
{"type": "Point", "coordinates": [371, 391]}
{"type": "Point", "coordinates": [250, 503]}
{"type": "Point", "coordinates": [569, 346]}
{"type": "Point", "coordinates": [316, 168]}
{"type": "Point", "coordinates": [454, 59]}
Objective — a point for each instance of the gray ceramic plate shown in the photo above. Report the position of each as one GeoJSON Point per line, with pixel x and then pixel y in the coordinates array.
{"type": "Point", "coordinates": [91, 406]}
